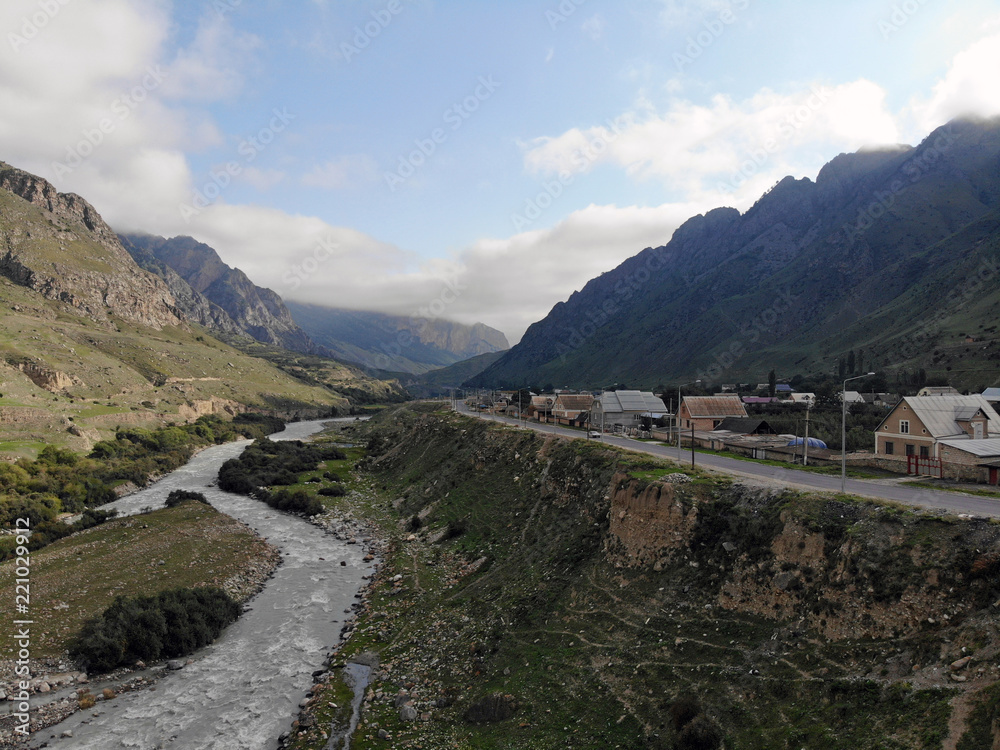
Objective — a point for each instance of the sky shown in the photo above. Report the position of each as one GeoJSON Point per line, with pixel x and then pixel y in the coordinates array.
{"type": "Point", "coordinates": [471, 161]}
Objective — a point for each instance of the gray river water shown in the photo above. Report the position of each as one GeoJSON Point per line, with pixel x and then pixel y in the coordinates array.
{"type": "Point", "coordinates": [242, 692]}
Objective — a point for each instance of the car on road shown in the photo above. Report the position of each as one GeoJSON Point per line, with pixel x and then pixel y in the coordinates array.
{"type": "Point", "coordinates": [594, 434]}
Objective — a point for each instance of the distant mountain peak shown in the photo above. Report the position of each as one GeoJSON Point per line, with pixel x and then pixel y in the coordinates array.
{"type": "Point", "coordinates": [255, 311]}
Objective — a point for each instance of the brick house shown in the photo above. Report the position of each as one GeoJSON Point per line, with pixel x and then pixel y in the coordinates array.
{"type": "Point", "coordinates": [569, 407]}
{"type": "Point", "coordinates": [949, 428]}
{"type": "Point", "coordinates": [706, 413]}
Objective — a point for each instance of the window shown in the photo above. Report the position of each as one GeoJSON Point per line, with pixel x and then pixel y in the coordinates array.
{"type": "Point", "coordinates": [909, 450]}
{"type": "Point", "coordinates": [889, 447]}
{"type": "Point", "coordinates": [904, 427]}
{"type": "Point", "coordinates": [925, 451]}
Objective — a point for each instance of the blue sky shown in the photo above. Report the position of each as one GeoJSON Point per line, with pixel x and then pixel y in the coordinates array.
{"type": "Point", "coordinates": [480, 161]}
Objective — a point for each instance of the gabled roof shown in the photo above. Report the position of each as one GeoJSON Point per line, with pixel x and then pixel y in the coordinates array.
{"type": "Point", "coordinates": [746, 426]}
{"type": "Point", "coordinates": [542, 402]}
{"type": "Point", "coordinates": [715, 406]}
{"type": "Point", "coordinates": [965, 413]}
{"type": "Point", "coordinates": [940, 414]}
{"type": "Point", "coordinates": [632, 401]}
{"type": "Point", "coordinates": [574, 401]}
{"type": "Point", "coordinates": [992, 394]}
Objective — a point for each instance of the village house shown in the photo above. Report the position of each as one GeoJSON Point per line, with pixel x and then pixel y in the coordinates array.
{"type": "Point", "coordinates": [707, 412]}
{"type": "Point", "coordinates": [572, 408]}
{"type": "Point", "coordinates": [938, 390]}
{"type": "Point", "coordinates": [541, 407]}
{"type": "Point", "coordinates": [614, 411]}
{"type": "Point", "coordinates": [945, 435]}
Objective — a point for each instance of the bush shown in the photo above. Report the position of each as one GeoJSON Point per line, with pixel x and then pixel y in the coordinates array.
{"type": "Point", "coordinates": [490, 709]}
{"type": "Point", "coordinates": [176, 497]}
{"type": "Point", "coordinates": [700, 733]}
{"type": "Point", "coordinates": [171, 624]}
{"type": "Point", "coordinates": [334, 491]}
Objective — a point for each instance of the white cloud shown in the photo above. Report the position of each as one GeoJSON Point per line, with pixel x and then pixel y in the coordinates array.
{"type": "Point", "coordinates": [472, 286]}
{"type": "Point", "coordinates": [346, 172]}
{"type": "Point", "coordinates": [594, 27]}
{"type": "Point", "coordinates": [214, 65]}
{"type": "Point", "coordinates": [693, 147]}
{"type": "Point", "coordinates": [969, 87]}
{"type": "Point", "coordinates": [262, 179]}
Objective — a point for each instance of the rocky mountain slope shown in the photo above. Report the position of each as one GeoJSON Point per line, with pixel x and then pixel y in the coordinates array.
{"type": "Point", "coordinates": [90, 342]}
{"type": "Point", "coordinates": [57, 245]}
{"type": "Point", "coordinates": [892, 250]}
{"type": "Point", "coordinates": [393, 343]}
{"type": "Point", "coordinates": [220, 297]}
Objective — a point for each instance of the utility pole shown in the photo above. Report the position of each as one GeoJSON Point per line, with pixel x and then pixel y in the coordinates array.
{"type": "Point", "coordinates": [692, 443]}
{"type": "Point", "coordinates": [805, 443]}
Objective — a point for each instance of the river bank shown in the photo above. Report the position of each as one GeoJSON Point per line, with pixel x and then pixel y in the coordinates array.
{"type": "Point", "coordinates": [239, 692]}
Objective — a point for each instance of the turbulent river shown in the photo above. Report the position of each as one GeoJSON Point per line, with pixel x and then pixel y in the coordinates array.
{"type": "Point", "coordinates": [242, 692]}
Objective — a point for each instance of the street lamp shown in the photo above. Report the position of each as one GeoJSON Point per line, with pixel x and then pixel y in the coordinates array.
{"type": "Point", "coordinates": [677, 416]}
{"type": "Point", "coordinates": [843, 429]}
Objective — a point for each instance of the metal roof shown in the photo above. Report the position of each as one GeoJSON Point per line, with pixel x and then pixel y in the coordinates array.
{"type": "Point", "coordinates": [574, 401]}
{"type": "Point", "coordinates": [986, 448]}
{"type": "Point", "coordinates": [939, 413]}
{"type": "Point", "coordinates": [631, 401]}
{"type": "Point", "coordinates": [992, 394]}
{"type": "Point", "coordinates": [715, 406]}
{"type": "Point", "coordinates": [745, 426]}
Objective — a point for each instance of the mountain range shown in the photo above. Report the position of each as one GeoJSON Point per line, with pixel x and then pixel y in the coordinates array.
{"type": "Point", "coordinates": [215, 295]}
{"type": "Point", "coordinates": [894, 251]}
{"type": "Point", "coordinates": [90, 342]}
{"type": "Point", "coordinates": [395, 344]}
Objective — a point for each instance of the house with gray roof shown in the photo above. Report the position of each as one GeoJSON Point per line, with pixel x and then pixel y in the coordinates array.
{"type": "Point", "coordinates": [949, 434]}
{"type": "Point", "coordinates": [625, 409]}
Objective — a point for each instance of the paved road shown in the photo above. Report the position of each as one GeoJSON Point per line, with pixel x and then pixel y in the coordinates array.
{"type": "Point", "coordinates": [951, 502]}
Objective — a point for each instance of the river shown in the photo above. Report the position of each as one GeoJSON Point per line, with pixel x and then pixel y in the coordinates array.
{"type": "Point", "coordinates": [242, 692]}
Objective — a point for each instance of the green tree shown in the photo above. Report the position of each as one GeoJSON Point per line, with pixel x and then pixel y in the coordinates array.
{"type": "Point", "coordinates": [772, 383]}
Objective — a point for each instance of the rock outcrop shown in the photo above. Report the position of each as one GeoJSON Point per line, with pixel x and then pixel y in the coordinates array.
{"type": "Point", "coordinates": [217, 296]}
{"type": "Point", "coordinates": [58, 245]}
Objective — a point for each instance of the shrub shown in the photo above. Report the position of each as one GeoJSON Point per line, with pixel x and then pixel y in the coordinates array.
{"type": "Point", "coordinates": [490, 709]}
{"type": "Point", "coordinates": [700, 733]}
{"type": "Point", "coordinates": [171, 624]}
{"type": "Point", "coordinates": [176, 497]}
{"type": "Point", "coordinates": [684, 710]}
{"type": "Point", "coordinates": [334, 491]}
